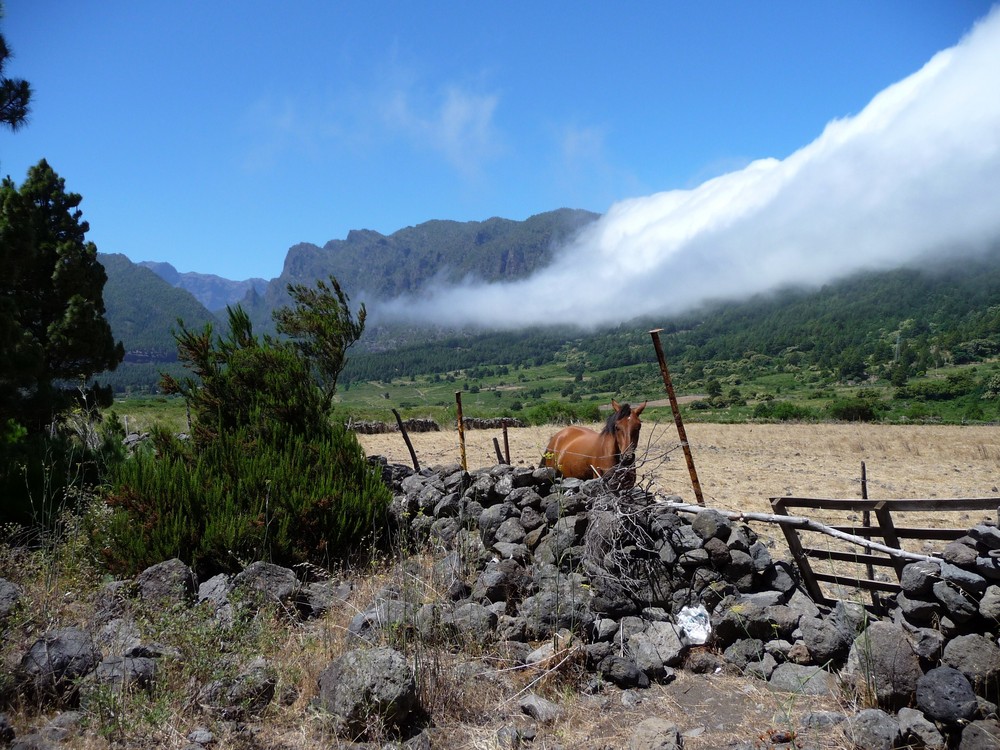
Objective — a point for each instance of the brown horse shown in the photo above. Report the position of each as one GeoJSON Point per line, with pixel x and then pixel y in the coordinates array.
{"type": "Point", "coordinates": [582, 453]}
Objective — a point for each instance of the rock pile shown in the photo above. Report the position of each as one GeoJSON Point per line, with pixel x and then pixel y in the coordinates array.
{"type": "Point", "coordinates": [550, 571]}
{"type": "Point", "coordinates": [429, 425]}
{"type": "Point", "coordinates": [624, 576]}
{"type": "Point", "coordinates": [381, 428]}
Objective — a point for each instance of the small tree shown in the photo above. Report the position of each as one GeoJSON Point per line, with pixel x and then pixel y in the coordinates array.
{"type": "Point", "coordinates": [241, 381]}
{"type": "Point", "coordinates": [269, 475]}
{"type": "Point", "coordinates": [53, 338]}
{"type": "Point", "coordinates": [322, 328]}
{"type": "Point", "coordinates": [713, 388]}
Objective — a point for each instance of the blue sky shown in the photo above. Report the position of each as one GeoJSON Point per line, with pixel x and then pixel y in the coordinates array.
{"type": "Point", "coordinates": [215, 135]}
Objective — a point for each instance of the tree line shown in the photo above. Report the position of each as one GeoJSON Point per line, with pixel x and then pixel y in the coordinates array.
{"type": "Point", "coordinates": [892, 324]}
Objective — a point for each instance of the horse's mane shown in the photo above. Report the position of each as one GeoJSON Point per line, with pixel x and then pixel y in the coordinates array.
{"type": "Point", "coordinates": [622, 413]}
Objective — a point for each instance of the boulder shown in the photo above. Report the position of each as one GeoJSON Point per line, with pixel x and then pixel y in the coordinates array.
{"type": "Point", "coordinates": [623, 672]}
{"type": "Point", "coordinates": [945, 695]}
{"type": "Point", "coordinates": [54, 664]}
{"type": "Point", "coordinates": [980, 735]}
{"type": "Point", "coordinates": [541, 710]}
{"type": "Point", "coordinates": [978, 658]}
{"type": "Point", "coordinates": [655, 734]}
{"type": "Point", "coordinates": [10, 595]}
{"type": "Point", "coordinates": [657, 647]}
{"type": "Point", "coordinates": [268, 581]}
{"type": "Point", "coordinates": [918, 578]}
{"type": "Point", "coordinates": [367, 687]}
{"type": "Point", "coordinates": [873, 729]}
{"type": "Point", "coordinates": [803, 680]}
{"type": "Point", "coordinates": [882, 660]}
{"type": "Point", "coordinates": [168, 583]}
{"type": "Point", "coordinates": [562, 602]}
{"type": "Point", "coordinates": [247, 694]}
{"type": "Point", "coordinates": [916, 731]}
{"type": "Point", "coordinates": [959, 605]}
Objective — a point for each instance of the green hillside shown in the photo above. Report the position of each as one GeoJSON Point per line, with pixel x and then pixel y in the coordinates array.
{"type": "Point", "coordinates": [908, 340]}
{"type": "Point", "coordinates": [866, 325]}
{"type": "Point", "coordinates": [910, 344]}
{"type": "Point", "coordinates": [143, 310]}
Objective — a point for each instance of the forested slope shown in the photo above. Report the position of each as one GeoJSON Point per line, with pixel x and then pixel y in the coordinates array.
{"type": "Point", "coordinates": [143, 309]}
{"type": "Point", "coordinates": [909, 319]}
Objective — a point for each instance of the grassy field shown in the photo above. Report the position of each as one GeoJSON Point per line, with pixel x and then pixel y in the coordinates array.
{"type": "Point", "coordinates": [530, 393]}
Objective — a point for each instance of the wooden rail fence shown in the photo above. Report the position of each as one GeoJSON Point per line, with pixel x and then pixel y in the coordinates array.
{"type": "Point", "coordinates": [884, 528]}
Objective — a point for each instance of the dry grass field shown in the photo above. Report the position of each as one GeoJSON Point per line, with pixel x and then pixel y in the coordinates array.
{"type": "Point", "coordinates": [741, 465]}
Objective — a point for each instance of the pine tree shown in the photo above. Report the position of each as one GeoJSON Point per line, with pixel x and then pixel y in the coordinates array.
{"type": "Point", "coordinates": [15, 93]}
{"type": "Point", "coordinates": [53, 331]}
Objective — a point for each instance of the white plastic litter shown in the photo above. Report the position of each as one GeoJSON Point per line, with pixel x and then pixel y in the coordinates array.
{"type": "Point", "coordinates": [695, 623]}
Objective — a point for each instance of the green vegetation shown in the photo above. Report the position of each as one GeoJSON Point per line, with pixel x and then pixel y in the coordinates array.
{"type": "Point", "coordinates": [15, 93]}
{"type": "Point", "coordinates": [266, 475]}
{"type": "Point", "coordinates": [321, 329]}
{"type": "Point", "coordinates": [143, 309]}
{"type": "Point", "coordinates": [52, 324]}
{"type": "Point", "coordinates": [282, 497]}
{"type": "Point", "coordinates": [905, 345]}
{"type": "Point", "coordinates": [53, 338]}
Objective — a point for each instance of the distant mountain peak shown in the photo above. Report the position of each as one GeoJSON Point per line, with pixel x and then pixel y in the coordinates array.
{"type": "Point", "coordinates": [214, 292]}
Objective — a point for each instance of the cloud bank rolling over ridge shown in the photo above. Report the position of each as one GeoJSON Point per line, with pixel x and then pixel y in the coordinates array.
{"type": "Point", "coordinates": [916, 172]}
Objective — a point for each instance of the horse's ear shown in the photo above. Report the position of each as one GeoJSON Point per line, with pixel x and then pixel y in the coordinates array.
{"type": "Point", "coordinates": [615, 406]}
{"type": "Point", "coordinates": [638, 410]}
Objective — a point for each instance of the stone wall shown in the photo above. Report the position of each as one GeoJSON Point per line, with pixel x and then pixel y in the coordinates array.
{"type": "Point", "coordinates": [628, 576]}
{"type": "Point", "coordinates": [544, 569]}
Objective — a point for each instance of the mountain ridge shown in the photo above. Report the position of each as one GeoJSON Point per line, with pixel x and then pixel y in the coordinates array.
{"type": "Point", "coordinates": [373, 266]}
{"type": "Point", "coordinates": [143, 308]}
{"type": "Point", "coordinates": [212, 291]}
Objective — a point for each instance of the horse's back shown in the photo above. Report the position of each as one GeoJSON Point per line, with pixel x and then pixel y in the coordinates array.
{"type": "Point", "coordinates": [572, 452]}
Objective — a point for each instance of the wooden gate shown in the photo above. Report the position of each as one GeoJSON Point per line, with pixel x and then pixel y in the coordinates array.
{"type": "Point", "coordinates": [855, 569]}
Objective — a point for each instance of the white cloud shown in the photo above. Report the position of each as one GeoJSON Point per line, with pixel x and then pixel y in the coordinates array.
{"type": "Point", "coordinates": [459, 125]}
{"type": "Point", "coordinates": [916, 172]}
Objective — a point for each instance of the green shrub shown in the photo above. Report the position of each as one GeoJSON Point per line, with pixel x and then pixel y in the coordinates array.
{"type": "Point", "coordinates": [560, 412]}
{"type": "Point", "coordinates": [782, 411]}
{"type": "Point", "coordinates": [951, 387]}
{"type": "Point", "coordinates": [247, 495]}
{"type": "Point", "coordinates": [41, 474]}
{"type": "Point", "coordinates": [855, 410]}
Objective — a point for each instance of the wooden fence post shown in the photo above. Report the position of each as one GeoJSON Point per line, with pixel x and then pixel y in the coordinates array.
{"type": "Point", "coordinates": [461, 430]}
{"type": "Point", "coordinates": [406, 439]}
{"type": "Point", "coordinates": [675, 408]}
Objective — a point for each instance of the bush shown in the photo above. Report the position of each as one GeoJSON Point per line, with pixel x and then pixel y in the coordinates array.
{"type": "Point", "coordinates": [560, 412]}
{"type": "Point", "coordinates": [782, 411]}
{"type": "Point", "coordinates": [41, 475]}
{"type": "Point", "coordinates": [952, 387]}
{"type": "Point", "coordinates": [246, 496]}
{"type": "Point", "coordinates": [855, 410]}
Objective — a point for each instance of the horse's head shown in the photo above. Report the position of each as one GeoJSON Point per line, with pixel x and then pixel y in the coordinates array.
{"type": "Point", "coordinates": [625, 424]}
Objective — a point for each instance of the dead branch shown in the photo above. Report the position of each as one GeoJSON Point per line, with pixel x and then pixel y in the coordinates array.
{"type": "Point", "coordinates": [801, 522]}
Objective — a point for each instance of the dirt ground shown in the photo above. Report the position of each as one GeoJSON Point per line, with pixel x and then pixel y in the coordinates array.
{"type": "Point", "coordinates": [740, 467]}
